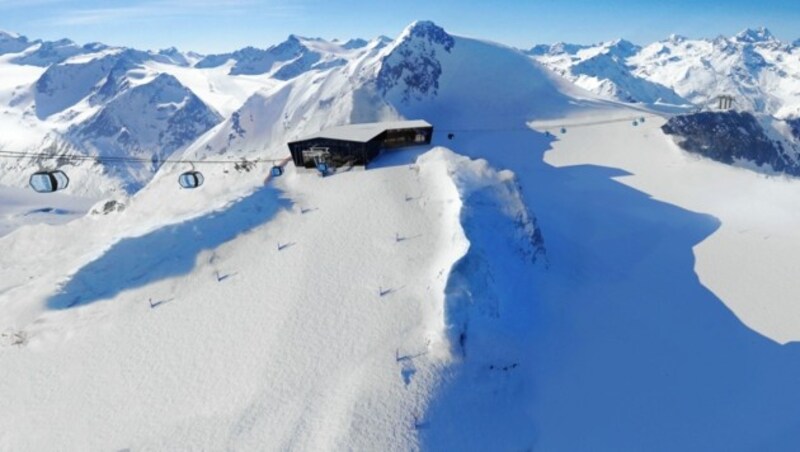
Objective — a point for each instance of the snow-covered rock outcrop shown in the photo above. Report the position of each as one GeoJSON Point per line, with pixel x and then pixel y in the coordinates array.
{"type": "Point", "coordinates": [412, 68]}
{"type": "Point", "coordinates": [497, 229]}
{"type": "Point", "coordinates": [736, 138]}
{"type": "Point", "coordinates": [12, 42]}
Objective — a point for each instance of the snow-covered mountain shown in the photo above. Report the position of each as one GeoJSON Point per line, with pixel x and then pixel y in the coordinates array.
{"type": "Point", "coordinates": [761, 72]}
{"type": "Point", "coordinates": [149, 121]}
{"type": "Point", "coordinates": [382, 82]}
{"type": "Point", "coordinates": [391, 81]}
{"type": "Point", "coordinates": [112, 101]}
{"type": "Point", "coordinates": [100, 101]}
{"type": "Point", "coordinates": [287, 59]}
{"type": "Point", "coordinates": [107, 102]}
{"type": "Point", "coordinates": [551, 273]}
{"type": "Point", "coordinates": [12, 42]}
{"type": "Point", "coordinates": [47, 53]}
{"type": "Point", "coordinates": [604, 69]}
{"type": "Point", "coordinates": [79, 82]}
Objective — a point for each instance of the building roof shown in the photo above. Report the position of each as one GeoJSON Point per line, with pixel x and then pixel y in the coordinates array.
{"type": "Point", "coordinates": [366, 131]}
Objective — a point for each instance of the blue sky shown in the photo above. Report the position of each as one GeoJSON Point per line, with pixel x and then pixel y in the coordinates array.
{"type": "Point", "coordinates": [223, 25]}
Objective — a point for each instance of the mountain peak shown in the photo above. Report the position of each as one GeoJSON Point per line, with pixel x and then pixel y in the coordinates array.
{"type": "Point", "coordinates": [675, 38]}
{"type": "Point", "coordinates": [355, 43]}
{"type": "Point", "coordinates": [620, 48]}
{"type": "Point", "coordinates": [165, 80]}
{"type": "Point", "coordinates": [301, 39]}
{"type": "Point", "coordinates": [12, 42]}
{"type": "Point", "coordinates": [9, 35]}
{"type": "Point", "coordinates": [622, 44]}
{"type": "Point", "coordinates": [291, 46]}
{"type": "Point", "coordinates": [412, 68]}
{"type": "Point", "coordinates": [429, 31]}
{"type": "Point", "coordinates": [565, 47]}
{"type": "Point", "coordinates": [749, 35]}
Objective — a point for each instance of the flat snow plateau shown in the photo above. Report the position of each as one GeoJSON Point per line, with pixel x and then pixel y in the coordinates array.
{"type": "Point", "coordinates": [748, 261]}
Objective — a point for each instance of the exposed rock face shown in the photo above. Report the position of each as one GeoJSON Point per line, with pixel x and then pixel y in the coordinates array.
{"type": "Point", "coordinates": [12, 43]}
{"type": "Point", "coordinates": [149, 121]}
{"type": "Point", "coordinates": [413, 67]}
{"type": "Point", "coordinates": [731, 137]}
{"type": "Point", "coordinates": [794, 125]}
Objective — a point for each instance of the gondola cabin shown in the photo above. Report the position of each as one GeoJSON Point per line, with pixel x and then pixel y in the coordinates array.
{"type": "Point", "coordinates": [191, 179]}
{"type": "Point", "coordinates": [48, 181]}
{"type": "Point", "coordinates": [357, 144]}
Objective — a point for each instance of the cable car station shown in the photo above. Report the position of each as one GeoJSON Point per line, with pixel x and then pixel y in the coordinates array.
{"type": "Point", "coordinates": [357, 144]}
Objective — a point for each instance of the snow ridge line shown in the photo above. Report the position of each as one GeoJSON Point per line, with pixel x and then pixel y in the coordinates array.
{"type": "Point", "coordinates": [491, 227]}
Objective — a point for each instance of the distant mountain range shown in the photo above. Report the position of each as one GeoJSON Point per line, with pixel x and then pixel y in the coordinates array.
{"type": "Point", "coordinates": [762, 73]}
{"type": "Point", "coordinates": [100, 100]}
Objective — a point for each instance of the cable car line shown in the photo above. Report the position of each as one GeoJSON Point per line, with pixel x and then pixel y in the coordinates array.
{"type": "Point", "coordinates": [48, 181]}
{"type": "Point", "coordinates": [124, 159]}
{"type": "Point", "coordinates": [121, 159]}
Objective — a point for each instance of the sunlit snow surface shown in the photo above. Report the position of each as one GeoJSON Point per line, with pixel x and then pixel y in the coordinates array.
{"type": "Point", "coordinates": [505, 289]}
{"type": "Point", "coordinates": [22, 206]}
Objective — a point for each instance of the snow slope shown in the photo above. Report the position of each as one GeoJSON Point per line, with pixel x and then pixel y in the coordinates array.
{"type": "Point", "coordinates": [636, 346]}
{"type": "Point", "coordinates": [19, 207]}
{"type": "Point", "coordinates": [511, 287]}
{"type": "Point", "coordinates": [304, 299]}
{"type": "Point", "coordinates": [604, 69]}
{"type": "Point", "coordinates": [757, 220]}
{"type": "Point", "coordinates": [318, 307]}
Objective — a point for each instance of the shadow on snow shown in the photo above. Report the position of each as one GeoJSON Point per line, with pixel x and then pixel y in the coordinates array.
{"type": "Point", "coordinates": [164, 253]}
{"type": "Point", "coordinates": [624, 348]}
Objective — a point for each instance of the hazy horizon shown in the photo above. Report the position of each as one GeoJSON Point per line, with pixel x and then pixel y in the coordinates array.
{"type": "Point", "coordinates": [217, 26]}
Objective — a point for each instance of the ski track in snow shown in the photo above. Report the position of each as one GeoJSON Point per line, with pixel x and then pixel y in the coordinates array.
{"type": "Point", "coordinates": [619, 345]}
{"type": "Point", "coordinates": [615, 339]}
{"type": "Point", "coordinates": [410, 306]}
{"type": "Point", "coordinates": [327, 349]}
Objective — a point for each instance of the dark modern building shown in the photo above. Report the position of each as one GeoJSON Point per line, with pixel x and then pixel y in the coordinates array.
{"type": "Point", "coordinates": [357, 144]}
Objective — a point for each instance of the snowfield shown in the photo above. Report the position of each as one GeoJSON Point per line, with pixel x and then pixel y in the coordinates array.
{"type": "Point", "coordinates": [546, 275]}
{"type": "Point", "coordinates": [19, 207]}
{"type": "Point", "coordinates": [337, 319]}
{"type": "Point", "coordinates": [756, 215]}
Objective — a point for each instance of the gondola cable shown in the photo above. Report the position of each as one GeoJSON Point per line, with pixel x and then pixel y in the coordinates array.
{"type": "Point", "coordinates": [48, 181]}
